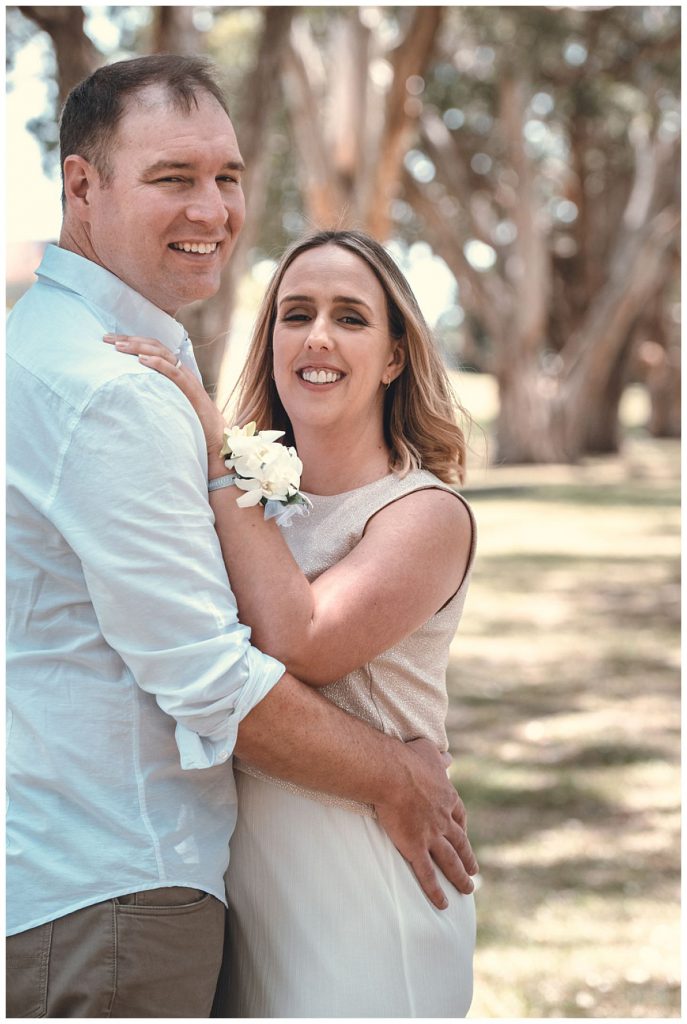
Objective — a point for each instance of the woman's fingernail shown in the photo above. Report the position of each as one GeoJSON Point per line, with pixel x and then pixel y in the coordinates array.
{"type": "Point", "coordinates": [143, 359]}
{"type": "Point", "coordinates": [121, 344]}
{"type": "Point", "coordinates": [109, 337]}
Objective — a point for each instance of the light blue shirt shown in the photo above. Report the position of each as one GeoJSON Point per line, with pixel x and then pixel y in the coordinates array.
{"type": "Point", "coordinates": [128, 671]}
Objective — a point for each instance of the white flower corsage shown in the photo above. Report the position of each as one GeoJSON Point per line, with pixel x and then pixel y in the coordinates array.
{"type": "Point", "coordinates": [269, 472]}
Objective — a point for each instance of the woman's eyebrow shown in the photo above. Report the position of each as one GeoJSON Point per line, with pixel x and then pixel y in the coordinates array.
{"type": "Point", "coordinates": [347, 299]}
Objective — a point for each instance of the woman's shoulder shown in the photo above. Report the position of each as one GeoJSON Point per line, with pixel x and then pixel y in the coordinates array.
{"type": "Point", "coordinates": [427, 499]}
{"type": "Point", "coordinates": [422, 502]}
{"type": "Point", "coordinates": [421, 487]}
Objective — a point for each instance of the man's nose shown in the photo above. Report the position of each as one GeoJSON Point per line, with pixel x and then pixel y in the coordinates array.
{"type": "Point", "coordinates": [207, 206]}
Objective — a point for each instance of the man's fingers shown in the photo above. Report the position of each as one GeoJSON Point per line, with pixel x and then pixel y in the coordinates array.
{"type": "Point", "coordinates": [446, 858]}
{"type": "Point", "coordinates": [459, 814]}
{"type": "Point", "coordinates": [457, 837]}
{"type": "Point", "coordinates": [429, 883]}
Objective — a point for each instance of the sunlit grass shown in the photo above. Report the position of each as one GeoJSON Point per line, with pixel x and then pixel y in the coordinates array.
{"type": "Point", "coordinates": [564, 725]}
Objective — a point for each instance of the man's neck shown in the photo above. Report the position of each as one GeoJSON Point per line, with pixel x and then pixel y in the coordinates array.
{"type": "Point", "coordinates": [77, 242]}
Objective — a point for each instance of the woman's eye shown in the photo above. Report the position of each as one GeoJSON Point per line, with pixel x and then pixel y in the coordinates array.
{"type": "Point", "coordinates": [295, 317]}
{"type": "Point", "coordinates": [350, 319]}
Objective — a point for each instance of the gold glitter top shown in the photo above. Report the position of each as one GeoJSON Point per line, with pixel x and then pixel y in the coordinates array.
{"type": "Point", "coordinates": [401, 692]}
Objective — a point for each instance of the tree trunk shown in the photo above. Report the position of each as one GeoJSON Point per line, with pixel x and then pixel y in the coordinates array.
{"type": "Point", "coordinates": [530, 276]}
{"type": "Point", "coordinates": [174, 31]}
{"type": "Point", "coordinates": [637, 273]}
{"type": "Point", "coordinates": [664, 386]}
{"type": "Point", "coordinates": [351, 162]}
{"type": "Point", "coordinates": [208, 322]}
{"type": "Point", "coordinates": [75, 54]}
{"type": "Point", "coordinates": [324, 201]}
{"type": "Point", "coordinates": [602, 434]}
{"type": "Point", "coordinates": [410, 58]}
{"type": "Point", "coordinates": [526, 431]}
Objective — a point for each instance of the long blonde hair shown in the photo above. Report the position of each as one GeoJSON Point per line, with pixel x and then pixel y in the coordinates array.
{"type": "Point", "coordinates": [420, 408]}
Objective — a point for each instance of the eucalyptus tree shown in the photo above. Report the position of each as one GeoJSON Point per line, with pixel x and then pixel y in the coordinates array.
{"type": "Point", "coordinates": [547, 176]}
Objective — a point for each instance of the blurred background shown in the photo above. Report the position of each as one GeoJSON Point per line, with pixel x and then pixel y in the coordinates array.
{"type": "Point", "coordinates": [522, 166]}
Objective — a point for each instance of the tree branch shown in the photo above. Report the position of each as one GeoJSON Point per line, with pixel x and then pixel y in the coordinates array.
{"type": "Point", "coordinates": [409, 58]}
{"type": "Point", "coordinates": [75, 53]}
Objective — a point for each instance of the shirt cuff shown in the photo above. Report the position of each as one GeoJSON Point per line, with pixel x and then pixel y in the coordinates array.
{"type": "Point", "coordinates": [217, 746]}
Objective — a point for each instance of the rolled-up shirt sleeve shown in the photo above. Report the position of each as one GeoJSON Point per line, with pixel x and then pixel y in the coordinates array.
{"type": "Point", "coordinates": [130, 498]}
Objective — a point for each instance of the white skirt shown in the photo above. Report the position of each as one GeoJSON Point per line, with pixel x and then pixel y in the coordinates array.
{"type": "Point", "coordinates": [327, 919]}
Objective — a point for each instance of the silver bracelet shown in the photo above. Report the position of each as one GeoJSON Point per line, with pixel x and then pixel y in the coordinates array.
{"type": "Point", "coordinates": [221, 481]}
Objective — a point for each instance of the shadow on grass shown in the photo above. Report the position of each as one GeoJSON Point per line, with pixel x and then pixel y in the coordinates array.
{"type": "Point", "coordinates": [561, 798]}
{"type": "Point", "coordinates": [517, 693]}
{"type": "Point", "coordinates": [579, 494]}
{"type": "Point", "coordinates": [602, 876]}
{"type": "Point", "coordinates": [537, 561]}
{"type": "Point", "coordinates": [609, 755]}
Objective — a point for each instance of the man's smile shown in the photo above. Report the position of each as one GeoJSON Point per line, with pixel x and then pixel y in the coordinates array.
{"type": "Point", "coordinates": [202, 248]}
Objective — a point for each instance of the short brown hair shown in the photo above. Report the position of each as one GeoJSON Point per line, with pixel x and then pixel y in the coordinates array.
{"type": "Point", "coordinates": [93, 108]}
{"type": "Point", "coordinates": [420, 408]}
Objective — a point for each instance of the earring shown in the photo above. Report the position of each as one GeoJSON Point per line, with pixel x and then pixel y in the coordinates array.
{"type": "Point", "coordinates": [386, 382]}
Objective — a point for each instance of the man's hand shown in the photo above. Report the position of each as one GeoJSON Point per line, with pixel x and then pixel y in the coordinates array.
{"type": "Point", "coordinates": [426, 821]}
{"type": "Point", "coordinates": [297, 734]}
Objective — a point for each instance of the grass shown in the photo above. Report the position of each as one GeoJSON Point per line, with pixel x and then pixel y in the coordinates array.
{"type": "Point", "coordinates": [564, 724]}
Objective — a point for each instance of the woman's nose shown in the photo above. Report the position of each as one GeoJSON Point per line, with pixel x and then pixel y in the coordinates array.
{"type": "Point", "coordinates": [318, 335]}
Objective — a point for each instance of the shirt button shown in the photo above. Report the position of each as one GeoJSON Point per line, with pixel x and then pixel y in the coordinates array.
{"type": "Point", "coordinates": [222, 756]}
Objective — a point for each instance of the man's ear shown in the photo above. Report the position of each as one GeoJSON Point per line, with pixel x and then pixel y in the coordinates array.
{"type": "Point", "coordinates": [80, 177]}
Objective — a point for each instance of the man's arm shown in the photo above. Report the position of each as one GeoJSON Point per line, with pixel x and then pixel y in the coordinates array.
{"type": "Point", "coordinates": [133, 505]}
{"type": "Point", "coordinates": [296, 734]}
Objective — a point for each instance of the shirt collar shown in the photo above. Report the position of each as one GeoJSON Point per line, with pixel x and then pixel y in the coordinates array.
{"type": "Point", "coordinates": [132, 313]}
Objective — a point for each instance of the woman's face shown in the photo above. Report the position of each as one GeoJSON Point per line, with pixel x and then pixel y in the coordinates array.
{"type": "Point", "coordinates": [332, 349]}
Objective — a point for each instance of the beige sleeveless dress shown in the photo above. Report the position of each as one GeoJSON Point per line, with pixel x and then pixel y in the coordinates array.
{"type": "Point", "coordinates": [326, 917]}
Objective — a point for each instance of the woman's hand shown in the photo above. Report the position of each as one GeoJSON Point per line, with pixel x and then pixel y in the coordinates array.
{"type": "Point", "coordinates": [154, 354]}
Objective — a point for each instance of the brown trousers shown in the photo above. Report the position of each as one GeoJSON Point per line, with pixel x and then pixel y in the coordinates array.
{"type": "Point", "coordinates": [148, 954]}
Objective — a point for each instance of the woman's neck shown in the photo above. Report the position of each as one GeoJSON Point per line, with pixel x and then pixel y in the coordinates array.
{"type": "Point", "coordinates": [337, 462]}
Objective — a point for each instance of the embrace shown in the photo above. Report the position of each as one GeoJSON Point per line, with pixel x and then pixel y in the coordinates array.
{"type": "Point", "coordinates": [183, 671]}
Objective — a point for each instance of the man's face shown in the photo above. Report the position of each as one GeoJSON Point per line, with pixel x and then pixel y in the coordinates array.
{"type": "Point", "coordinates": [175, 186]}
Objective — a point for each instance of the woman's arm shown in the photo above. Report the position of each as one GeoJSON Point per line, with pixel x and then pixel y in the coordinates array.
{"type": "Point", "coordinates": [410, 561]}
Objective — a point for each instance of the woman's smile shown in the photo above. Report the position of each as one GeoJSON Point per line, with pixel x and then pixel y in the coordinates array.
{"type": "Point", "coordinates": [319, 377]}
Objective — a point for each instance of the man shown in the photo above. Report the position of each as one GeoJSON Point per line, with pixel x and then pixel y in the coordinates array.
{"type": "Point", "coordinates": [128, 671]}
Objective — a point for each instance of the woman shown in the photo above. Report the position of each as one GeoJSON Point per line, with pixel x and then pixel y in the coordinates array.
{"type": "Point", "coordinates": [362, 598]}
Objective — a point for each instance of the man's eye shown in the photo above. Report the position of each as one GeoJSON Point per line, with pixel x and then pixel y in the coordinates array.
{"type": "Point", "coordinates": [228, 179]}
{"type": "Point", "coordinates": [173, 179]}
